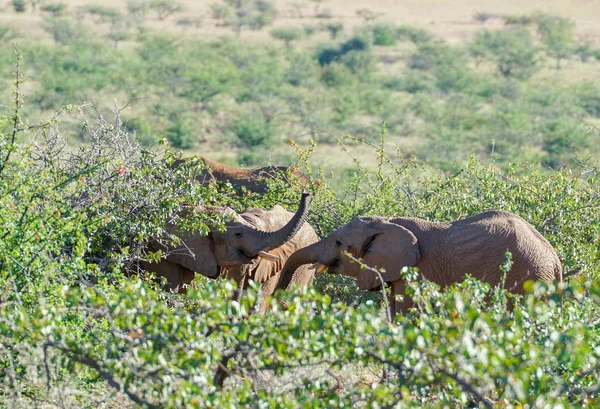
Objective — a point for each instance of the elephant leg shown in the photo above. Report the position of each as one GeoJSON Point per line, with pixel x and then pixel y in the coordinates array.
{"type": "Point", "coordinates": [398, 306]}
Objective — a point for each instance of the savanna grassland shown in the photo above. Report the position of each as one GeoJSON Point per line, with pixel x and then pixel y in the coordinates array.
{"type": "Point", "coordinates": [438, 110]}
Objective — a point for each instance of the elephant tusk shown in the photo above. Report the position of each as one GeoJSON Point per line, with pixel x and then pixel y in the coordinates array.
{"type": "Point", "coordinates": [319, 269]}
{"type": "Point", "coordinates": [268, 256]}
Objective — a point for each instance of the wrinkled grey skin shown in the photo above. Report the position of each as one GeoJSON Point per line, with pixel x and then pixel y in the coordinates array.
{"type": "Point", "coordinates": [250, 233]}
{"type": "Point", "coordinates": [443, 252]}
{"type": "Point", "coordinates": [266, 272]}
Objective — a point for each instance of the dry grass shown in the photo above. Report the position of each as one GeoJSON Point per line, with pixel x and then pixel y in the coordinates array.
{"type": "Point", "coordinates": [451, 19]}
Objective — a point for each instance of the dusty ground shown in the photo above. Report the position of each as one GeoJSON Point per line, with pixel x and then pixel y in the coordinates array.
{"type": "Point", "coordinates": [452, 19]}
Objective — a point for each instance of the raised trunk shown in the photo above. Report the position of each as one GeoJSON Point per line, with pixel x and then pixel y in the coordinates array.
{"type": "Point", "coordinates": [271, 240]}
{"type": "Point", "coordinates": [307, 255]}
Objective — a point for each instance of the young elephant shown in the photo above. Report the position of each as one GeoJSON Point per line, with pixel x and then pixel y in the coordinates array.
{"type": "Point", "coordinates": [443, 252]}
{"type": "Point", "coordinates": [266, 271]}
{"type": "Point", "coordinates": [255, 245]}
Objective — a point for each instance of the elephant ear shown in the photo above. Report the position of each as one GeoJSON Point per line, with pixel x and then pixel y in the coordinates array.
{"type": "Point", "coordinates": [390, 246]}
{"type": "Point", "coordinates": [197, 255]}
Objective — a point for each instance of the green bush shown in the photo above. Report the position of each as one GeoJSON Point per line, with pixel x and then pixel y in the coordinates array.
{"type": "Point", "coordinates": [513, 51]}
{"type": "Point", "coordinates": [557, 35]}
{"type": "Point", "coordinates": [416, 35]}
{"type": "Point", "coordinates": [329, 55]}
{"type": "Point", "coordinates": [56, 9]}
{"type": "Point", "coordinates": [63, 30]}
{"type": "Point", "coordinates": [287, 34]}
{"type": "Point", "coordinates": [253, 129]}
{"type": "Point", "coordinates": [384, 35]}
{"type": "Point", "coordinates": [72, 216]}
{"type": "Point", "coordinates": [435, 55]}
{"type": "Point", "coordinates": [19, 5]}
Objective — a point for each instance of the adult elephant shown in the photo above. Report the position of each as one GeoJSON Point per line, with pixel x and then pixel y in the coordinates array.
{"type": "Point", "coordinates": [252, 179]}
{"type": "Point", "coordinates": [255, 245]}
{"type": "Point", "coordinates": [443, 252]}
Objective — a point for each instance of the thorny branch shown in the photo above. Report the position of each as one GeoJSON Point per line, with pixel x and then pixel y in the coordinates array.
{"type": "Point", "coordinates": [16, 120]}
{"type": "Point", "coordinates": [109, 378]}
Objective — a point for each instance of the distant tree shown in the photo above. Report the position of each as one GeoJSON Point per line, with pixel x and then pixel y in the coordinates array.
{"type": "Point", "coordinates": [335, 29]}
{"type": "Point", "coordinates": [512, 49]}
{"type": "Point", "coordinates": [35, 4]}
{"type": "Point", "coordinates": [317, 5]}
{"type": "Point", "coordinates": [584, 50]}
{"type": "Point", "coordinates": [187, 22]}
{"type": "Point", "coordinates": [56, 9]}
{"type": "Point", "coordinates": [19, 6]}
{"type": "Point", "coordinates": [137, 8]}
{"type": "Point", "coordinates": [384, 35]}
{"type": "Point", "coordinates": [100, 13]}
{"type": "Point", "coordinates": [517, 20]}
{"type": "Point", "coordinates": [253, 14]}
{"type": "Point", "coordinates": [368, 15]}
{"type": "Point", "coordinates": [287, 34]}
{"type": "Point", "coordinates": [297, 7]}
{"type": "Point", "coordinates": [557, 36]}
{"type": "Point", "coordinates": [164, 8]}
{"type": "Point", "coordinates": [63, 30]}
{"type": "Point", "coordinates": [220, 12]}
{"type": "Point", "coordinates": [483, 17]}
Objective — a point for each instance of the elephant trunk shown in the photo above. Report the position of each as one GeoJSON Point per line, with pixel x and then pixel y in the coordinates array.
{"type": "Point", "coordinates": [307, 255]}
{"type": "Point", "coordinates": [271, 240]}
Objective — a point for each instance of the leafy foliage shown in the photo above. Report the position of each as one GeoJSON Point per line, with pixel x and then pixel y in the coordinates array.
{"type": "Point", "coordinates": [72, 217]}
{"type": "Point", "coordinates": [513, 49]}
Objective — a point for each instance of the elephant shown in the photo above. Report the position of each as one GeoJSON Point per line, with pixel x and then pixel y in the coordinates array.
{"type": "Point", "coordinates": [265, 271]}
{"type": "Point", "coordinates": [252, 179]}
{"type": "Point", "coordinates": [255, 245]}
{"type": "Point", "coordinates": [442, 251]}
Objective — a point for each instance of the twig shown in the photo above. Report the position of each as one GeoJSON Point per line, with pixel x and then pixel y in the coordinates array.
{"type": "Point", "coordinates": [466, 386]}
{"type": "Point", "coordinates": [90, 363]}
{"type": "Point", "coordinates": [16, 115]}
{"type": "Point", "coordinates": [374, 270]}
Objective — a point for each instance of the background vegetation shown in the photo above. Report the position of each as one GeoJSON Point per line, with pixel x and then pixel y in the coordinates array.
{"type": "Point", "coordinates": [386, 118]}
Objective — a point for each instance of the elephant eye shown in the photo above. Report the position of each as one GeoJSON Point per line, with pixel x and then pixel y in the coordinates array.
{"type": "Point", "coordinates": [338, 243]}
{"type": "Point", "coordinates": [239, 234]}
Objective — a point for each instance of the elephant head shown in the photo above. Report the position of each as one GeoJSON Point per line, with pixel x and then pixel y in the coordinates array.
{"type": "Point", "coordinates": [378, 242]}
{"type": "Point", "coordinates": [239, 243]}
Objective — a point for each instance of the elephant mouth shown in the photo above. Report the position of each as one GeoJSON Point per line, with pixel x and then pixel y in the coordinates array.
{"type": "Point", "coordinates": [333, 265]}
{"type": "Point", "coordinates": [262, 254]}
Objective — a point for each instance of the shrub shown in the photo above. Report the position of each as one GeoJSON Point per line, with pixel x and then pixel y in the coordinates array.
{"type": "Point", "coordinates": [254, 14]}
{"type": "Point", "coordinates": [253, 129]}
{"type": "Point", "coordinates": [585, 51]}
{"type": "Point", "coordinates": [137, 8]}
{"type": "Point", "coordinates": [384, 35]}
{"type": "Point", "coordinates": [19, 5]}
{"type": "Point", "coordinates": [435, 55]}
{"type": "Point", "coordinates": [56, 9]}
{"type": "Point", "coordinates": [329, 55]}
{"type": "Point", "coordinates": [287, 34]}
{"type": "Point", "coordinates": [416, 35]}
{"type": "Point", "coordinates": [512, 49]}
{"type": "Point", "coordinates": [518, 20]}
{"type": "Point", "coordinates": [164, 8]}
{"type": "Point", "coordinates": [334, 29]}
{"type": "Point", "coordinates": [64, 30]}
{"type": "Point", "coordinates": [101, 13]}
{"type": "Point", "coordinates": [557, 35]}
{"type": "Point", "coordinates": [181, 135]}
